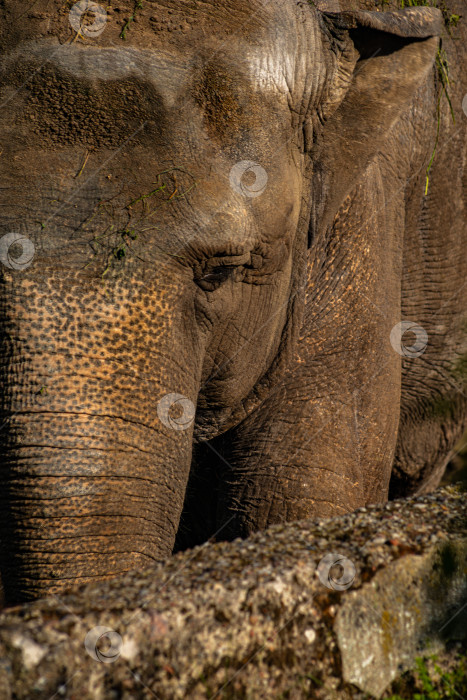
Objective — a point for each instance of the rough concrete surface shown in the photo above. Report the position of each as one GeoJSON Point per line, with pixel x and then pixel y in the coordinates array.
{"type": "Point", "coordinates": [268, 617]}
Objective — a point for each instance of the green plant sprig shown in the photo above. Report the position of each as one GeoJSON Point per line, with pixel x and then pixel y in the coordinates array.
{"type": "Point", "coordinates": [131, 19]}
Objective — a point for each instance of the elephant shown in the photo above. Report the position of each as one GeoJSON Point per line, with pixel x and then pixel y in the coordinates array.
{"type": "Point", "coordinates": [224, 225]}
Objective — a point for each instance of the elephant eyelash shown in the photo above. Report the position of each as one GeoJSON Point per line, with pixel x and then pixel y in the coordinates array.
{"type": "Point", "coordinates": [216, 276]}
{"type": "Point", "coordinates": [218, 270]}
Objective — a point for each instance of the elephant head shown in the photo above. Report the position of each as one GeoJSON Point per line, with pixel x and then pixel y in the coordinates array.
{"type": "Point", "coordinates": [162, 179]}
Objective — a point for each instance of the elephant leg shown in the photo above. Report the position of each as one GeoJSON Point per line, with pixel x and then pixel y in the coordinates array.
{"type": "Point", "coordinates": [277, 466]}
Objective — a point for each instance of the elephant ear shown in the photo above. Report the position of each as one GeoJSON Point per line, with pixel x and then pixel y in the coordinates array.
{"type": "Point", "coordinates": [380, 58]}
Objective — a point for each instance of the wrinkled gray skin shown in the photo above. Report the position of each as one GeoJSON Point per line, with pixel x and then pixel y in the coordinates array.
{"type": "Point", "coordinates": [155, 273]}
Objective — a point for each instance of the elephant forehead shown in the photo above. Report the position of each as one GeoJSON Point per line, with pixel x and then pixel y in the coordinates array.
{"type": "Point", "coordinates": [267, 65]}
{"type": "Point", "coordinates": [272, 70]}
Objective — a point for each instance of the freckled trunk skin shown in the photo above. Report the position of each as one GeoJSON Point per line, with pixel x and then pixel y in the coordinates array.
{"type": "Point", "coordinates": [92, 483]}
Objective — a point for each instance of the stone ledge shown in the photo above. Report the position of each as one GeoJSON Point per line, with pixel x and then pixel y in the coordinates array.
{"type": "Point", "coordinates": [262, 618]}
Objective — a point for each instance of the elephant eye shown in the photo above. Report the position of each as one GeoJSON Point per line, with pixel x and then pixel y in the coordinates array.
{"type": "Point", "coordinates": [218, 270]}
{"type": "Point", "coordinates": [216, 276]}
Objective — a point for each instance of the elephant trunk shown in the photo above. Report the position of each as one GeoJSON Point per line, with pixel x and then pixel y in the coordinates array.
{"type": "Point", "coordinates": [102, 509]}
{"type": "Point", "coordinates": [95, 447]}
